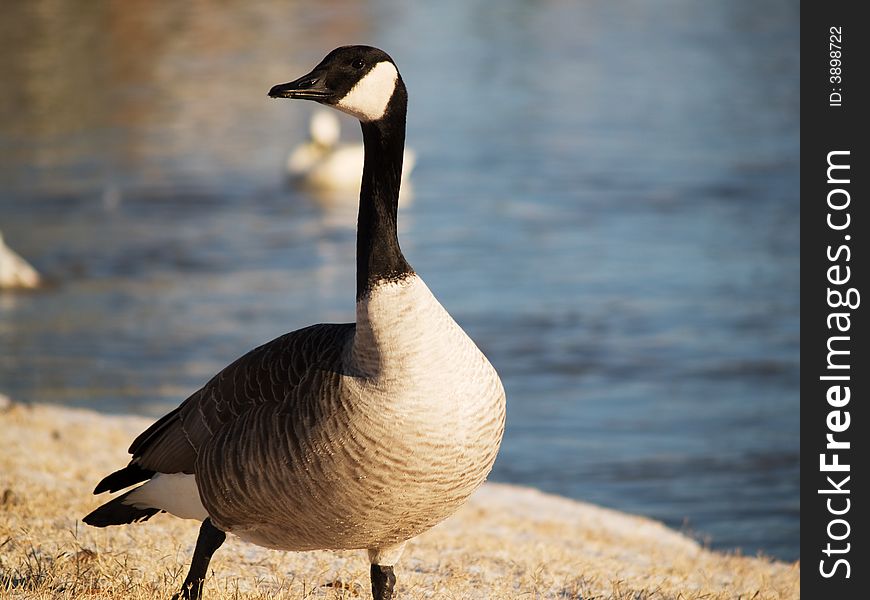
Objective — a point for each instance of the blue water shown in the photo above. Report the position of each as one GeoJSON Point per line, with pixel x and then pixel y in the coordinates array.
{"type": "Point", "coordinates": [606, 199]}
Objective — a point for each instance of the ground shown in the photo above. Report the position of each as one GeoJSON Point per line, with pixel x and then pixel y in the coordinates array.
{"type": "Point", "coordinates": [507, 543]}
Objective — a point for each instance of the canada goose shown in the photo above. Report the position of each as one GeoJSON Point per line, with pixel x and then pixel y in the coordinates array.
{"type": "Point", "coordinates": [337, 436]}
{"type": "Point", "coordinates": [327, 165]}
{"type": "Point", "coordinates": [15, 272]}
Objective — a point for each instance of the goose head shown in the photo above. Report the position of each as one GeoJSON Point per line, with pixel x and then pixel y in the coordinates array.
{"type": "Point", "coordinates": [324, 129]}
{"type": "Point", "coordinates": [361, 81]}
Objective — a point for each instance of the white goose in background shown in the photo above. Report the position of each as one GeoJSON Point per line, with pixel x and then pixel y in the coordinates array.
{"type": "Point", "coordinates": [327, 165]}
{"type": "Point", "coordinates": [337, 436]}
{"type": "Point", "coordinates": [15, 272]}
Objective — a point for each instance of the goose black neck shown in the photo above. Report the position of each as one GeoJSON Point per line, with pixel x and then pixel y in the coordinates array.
{"type": "Point", "coordinates": [378, 256]}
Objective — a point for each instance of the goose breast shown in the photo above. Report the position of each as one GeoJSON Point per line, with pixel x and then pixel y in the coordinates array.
{"type": "Point", "coordinates": [385, 439]}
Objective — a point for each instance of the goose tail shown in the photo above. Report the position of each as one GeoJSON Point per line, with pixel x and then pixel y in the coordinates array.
{"type": "Point", "coordinates": [123, 478]}
{"type": "Point", "coordinates": [116, 512]}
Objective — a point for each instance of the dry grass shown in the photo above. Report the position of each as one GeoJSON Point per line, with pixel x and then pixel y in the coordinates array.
{"type": "Point", "coordinates": [506, 543]}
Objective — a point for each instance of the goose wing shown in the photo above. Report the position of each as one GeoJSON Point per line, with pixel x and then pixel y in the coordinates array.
{"type": "Point", "coordinates": [282, 372]}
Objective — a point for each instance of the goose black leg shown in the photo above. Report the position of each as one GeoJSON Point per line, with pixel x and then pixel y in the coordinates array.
{"type": "Point", "coordinates": [383, 581]}
{"type": "Point", "coordinates": [210, 539]}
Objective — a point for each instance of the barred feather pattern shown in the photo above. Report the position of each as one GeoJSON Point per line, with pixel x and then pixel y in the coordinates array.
{"type": "Point", "coordinates": [346, 436]}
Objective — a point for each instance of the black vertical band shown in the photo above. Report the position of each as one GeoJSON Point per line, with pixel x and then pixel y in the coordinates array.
{"type": "Point", "coordinates": [379, 257]}
{"type": "Point", "coordinates": [835, 169]}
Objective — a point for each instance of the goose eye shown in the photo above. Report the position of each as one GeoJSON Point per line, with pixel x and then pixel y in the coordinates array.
{"type": "Point", "coordinates": [358, 64]}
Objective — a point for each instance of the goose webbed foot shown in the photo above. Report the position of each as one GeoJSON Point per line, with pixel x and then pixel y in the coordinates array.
{"type": "Point", "coordinates": [383, 582]}
{"type": "Point", "coordinates": [189, 592]}
{"type": "Point", "coordinates": [210, 539]}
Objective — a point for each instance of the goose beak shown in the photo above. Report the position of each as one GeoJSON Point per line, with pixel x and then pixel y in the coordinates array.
{"type": "Point", "coordinates": [307, 87]}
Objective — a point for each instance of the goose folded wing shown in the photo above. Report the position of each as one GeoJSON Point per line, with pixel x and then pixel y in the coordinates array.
{"type": "Point", "coordinates": [281, 373]}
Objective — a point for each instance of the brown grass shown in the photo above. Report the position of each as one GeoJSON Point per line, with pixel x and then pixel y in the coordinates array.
{"type": "Point", "coordinates": [507, 543]}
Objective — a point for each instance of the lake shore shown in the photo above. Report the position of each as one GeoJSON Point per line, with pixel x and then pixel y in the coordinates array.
{"type": "Point", "coordinates": [507, 542]}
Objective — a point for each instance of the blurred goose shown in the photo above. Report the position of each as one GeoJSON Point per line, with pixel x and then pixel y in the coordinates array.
{"type": "Point", "coordinates": [337, 436]}
{"type": "Point", "coordinates": [15, 272]}
{"type": "Point", "coordinates": [325, 164]}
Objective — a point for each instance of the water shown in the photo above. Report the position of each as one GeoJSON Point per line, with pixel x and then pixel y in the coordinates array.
{"type": "Point", "coordinates": [606, 199]}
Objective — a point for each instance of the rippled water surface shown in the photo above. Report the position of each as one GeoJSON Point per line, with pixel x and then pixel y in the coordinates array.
{"type": "Point", "coordinates": [606, 198]}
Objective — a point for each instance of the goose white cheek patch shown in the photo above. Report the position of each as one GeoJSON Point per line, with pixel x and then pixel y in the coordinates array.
{"type": "Point", "coordinates": [368, 99]}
